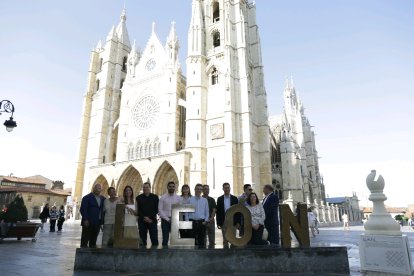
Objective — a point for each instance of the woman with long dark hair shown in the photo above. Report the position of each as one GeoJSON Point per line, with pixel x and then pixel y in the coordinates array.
{"type": "Point", "coordinates": [258, 218]}
{"type": "Point", "coordinates": [131, 213]}
{"type": "Point", "coordinates": [43, 216]}
{"type": "Point", "coordinates": [185, 199]}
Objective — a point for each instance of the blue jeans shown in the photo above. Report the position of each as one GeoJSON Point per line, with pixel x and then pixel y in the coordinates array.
{"type": "Point", "coordinates": [166, 229]}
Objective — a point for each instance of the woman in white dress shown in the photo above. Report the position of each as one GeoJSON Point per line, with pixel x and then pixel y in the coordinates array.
{"type": "Point", "coordinates": [131, 213]}
{"type": "Point", "coordinates": [185, 199]}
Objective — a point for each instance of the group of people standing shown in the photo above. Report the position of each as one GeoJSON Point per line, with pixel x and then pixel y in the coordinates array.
{"type": "Point", "coordinates": [99, 212]}
{"type": "Point", "coordinates": [54, 215]}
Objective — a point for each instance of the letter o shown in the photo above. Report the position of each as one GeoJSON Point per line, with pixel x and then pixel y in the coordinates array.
{"type": "Point", "coordinates": [229, 232]}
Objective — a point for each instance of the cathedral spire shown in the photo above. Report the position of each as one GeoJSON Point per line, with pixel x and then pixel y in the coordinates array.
{"type": "Point", "coordinates": [121, 30]}
{"type": "Point", "coordinates": [172, 45]}
{"type": "Point", "coordinates": [172, 36]}
{"type": "Point", "coordinates": [196, 32]}
{"type": "Point", "coordinates": [112, 34]}
{"type": "Point", "coordinates": [99, 45]}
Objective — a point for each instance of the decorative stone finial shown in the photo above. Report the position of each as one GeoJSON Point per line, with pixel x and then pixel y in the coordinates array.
{"type": "Point", "coordinates": [380, 221]}
{"type": "Point", "coordinates": [290, 195]}
{"type": "Point", "coordinates": [123, 15]}
{"type": "Point", "coordinates": [153, 27]}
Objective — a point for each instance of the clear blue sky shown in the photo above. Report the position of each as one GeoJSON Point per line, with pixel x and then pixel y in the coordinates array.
{"type": "Point", "coordinates": [352, 63]}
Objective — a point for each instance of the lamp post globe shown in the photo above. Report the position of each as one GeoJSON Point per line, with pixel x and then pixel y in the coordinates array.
{"type": "Point", "coordinates": [8, 107]}
{"type": "Point", "coordinates": [10, 124]}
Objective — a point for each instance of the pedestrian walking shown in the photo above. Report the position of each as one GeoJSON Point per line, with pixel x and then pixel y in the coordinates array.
{"type": "Point", "coordinates": [53, 217]}
{"type": "Point", "coordinates": [345, 220]}
{"type": "Point", "coordinates": [61, 218]}
{"type": "Point", "coordinates": [44, 216]}
{"type": "Point", "coordinates": [311, 221]}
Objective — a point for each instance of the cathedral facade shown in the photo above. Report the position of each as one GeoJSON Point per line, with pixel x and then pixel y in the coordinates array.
{"type": "Point", "coordinates": [143, 120]}
{"type": "Point", "coordinates": [295, 161]}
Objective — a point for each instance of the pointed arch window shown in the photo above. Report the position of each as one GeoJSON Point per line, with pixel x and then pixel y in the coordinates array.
{"type": "Point", "coordinates": [156, 147]}
{"type": "Point", "coordinates": [124, 64]}
{"type": "Point", "coordinates": [214, 76]}
{"type": "Point", "coordinates": [138, 150]}
{"type": "Point", "coordinates": [130, 152]}
{"type": "Point", "coordinates": [216, 39]}
{"type": "Point", "coordinates": [216, 12]}
{"type": "Point", "coordinates": [100, 64]}
{"type": "Point", "coordinates": [147, 148]}
{"type": "Point", "coordinates": [97, 85]}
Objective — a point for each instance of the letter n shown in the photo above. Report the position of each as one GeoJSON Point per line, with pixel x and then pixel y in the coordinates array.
{"type": "Point", "coordinates": [298, 224]}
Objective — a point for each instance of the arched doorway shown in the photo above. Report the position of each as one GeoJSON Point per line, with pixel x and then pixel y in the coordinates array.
{"type": "Point", "coordinates": [130, 177]}
{"type": "Point", "coordinates": [104, 183]}
{"type": "Point", "coordinates": [165, 174]}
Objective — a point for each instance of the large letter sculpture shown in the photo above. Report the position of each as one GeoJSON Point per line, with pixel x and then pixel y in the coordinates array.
{"type": "Point", "coordinates": [299, 225]}
{"type": "Point", "coordinates": [230, 231]}
{"type": "Point", "coordinates": [119, 240]}
{"type": "Point", "coordinates": [176, 225]}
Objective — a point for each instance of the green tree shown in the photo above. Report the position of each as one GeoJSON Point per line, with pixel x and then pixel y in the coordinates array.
{"type": "Point", "coordinates": [16, 210]}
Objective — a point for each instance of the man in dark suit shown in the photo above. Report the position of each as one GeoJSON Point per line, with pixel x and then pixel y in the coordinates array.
{"type": "Point", "coordinates": [223, 203]}
{"type": "Point", "coordinates": [92, 216]}
{"type": "Point", "coordinates": [271, 207]}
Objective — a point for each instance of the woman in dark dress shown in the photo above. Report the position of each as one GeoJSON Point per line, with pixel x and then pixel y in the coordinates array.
{"type": "Point", "coordinates": [43, 216]}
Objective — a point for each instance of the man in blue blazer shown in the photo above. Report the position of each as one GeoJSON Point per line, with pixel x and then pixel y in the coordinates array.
{"type": "Point", "coordinates": [92, 216]}
{"type": "Point", "coordinates": [271, 207]}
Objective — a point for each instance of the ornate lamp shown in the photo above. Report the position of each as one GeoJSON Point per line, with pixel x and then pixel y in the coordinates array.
{"type": "Point", "coordinates": [8, 107]}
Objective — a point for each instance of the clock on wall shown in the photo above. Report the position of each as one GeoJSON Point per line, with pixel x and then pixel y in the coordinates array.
{"type": "Point", "coordinates": [150, 65]}
{"type": "Point", "coordinates": [217, 131]}
{"type": "Point", "coordinates": [145, 112]}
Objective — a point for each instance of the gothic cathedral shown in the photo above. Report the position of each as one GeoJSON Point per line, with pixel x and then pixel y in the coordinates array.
{"type": "Point", "coordinates": [144, 120]}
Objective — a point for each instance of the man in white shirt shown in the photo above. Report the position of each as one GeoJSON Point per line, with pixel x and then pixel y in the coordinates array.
{"type": "Point", "coordinates": [223, 204]}
{"type": "Point", "coordinates": [164, 211]}
{"type": "Point", "coordinates": [200, 217]}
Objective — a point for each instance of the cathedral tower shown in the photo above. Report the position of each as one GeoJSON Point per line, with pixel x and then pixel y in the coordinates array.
{"type": "Point", "coordinates": [101, 107]}
{"type": "Point", "coordinates": [295, 159]}
{"type": "Point", "coordinates": [227, 126]}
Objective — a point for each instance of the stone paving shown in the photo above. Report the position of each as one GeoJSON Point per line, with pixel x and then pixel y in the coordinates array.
{"type": "Point", "coordinates": [54, 253]}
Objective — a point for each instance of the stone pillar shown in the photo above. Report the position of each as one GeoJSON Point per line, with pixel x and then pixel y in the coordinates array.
{"type": "Point", "coordinates": [383, 238]}
{"type": "Point", "coordinates": [323, 217]}
{"type": "Point", "coordinates": [328, 209]}
{"type": "Point", "coordinates": [317, 210]}
{"type": "Point", "coordinates": [338, 219]}
{"type": "Point", "coordinates": [290, 202]}
{"type": "Point", "coordinates": [333, 213]}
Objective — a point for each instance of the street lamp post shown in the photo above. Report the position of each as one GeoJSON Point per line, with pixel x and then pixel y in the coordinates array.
{"type": "Point", "coordinates": [8, 107]}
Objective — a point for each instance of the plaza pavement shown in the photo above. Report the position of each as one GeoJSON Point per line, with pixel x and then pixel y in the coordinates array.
{"type": "Point", "coordinates": [54, 253]}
